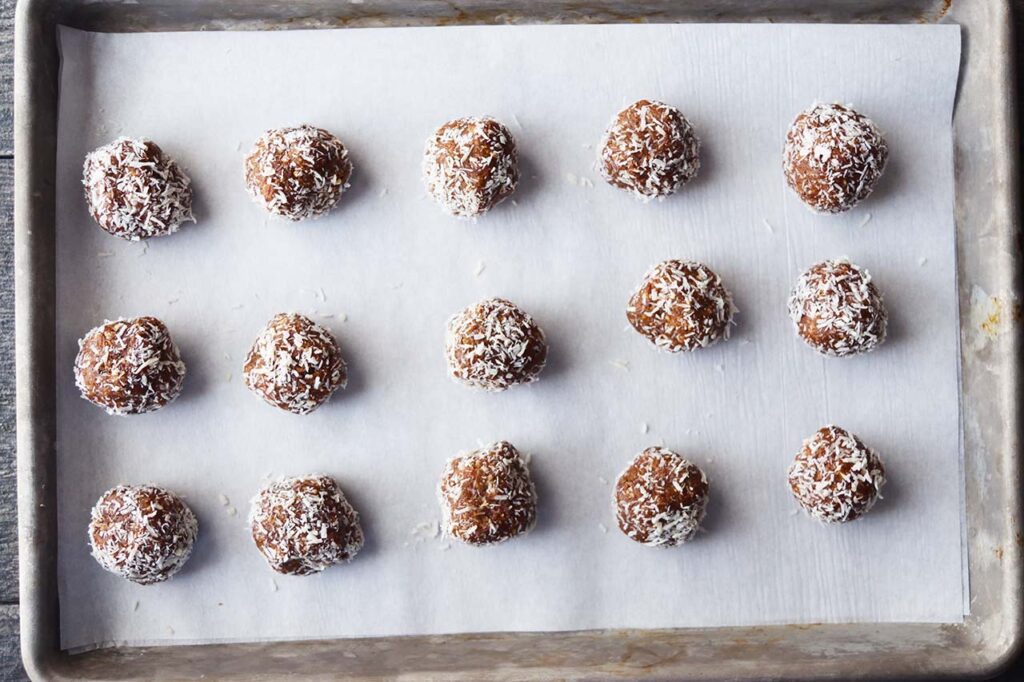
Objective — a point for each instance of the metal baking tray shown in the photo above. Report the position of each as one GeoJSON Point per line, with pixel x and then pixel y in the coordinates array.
{"type": "Point", "coordinates": [989, 260]}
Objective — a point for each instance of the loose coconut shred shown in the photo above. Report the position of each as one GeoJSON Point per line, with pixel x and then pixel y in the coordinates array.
{"type": "Point", "coordinates": [650, 149]}
{"type": "Point", "coordinates": [470, 165]}
{"type": "Point", "coordinates": [837, 309]}
{"type": "Point", "coordinates": [135, 191]}
{"type": "Point", "coordinates": [835, 477]}
{"type": "Point", "coordinates": [129, 366]}
{"type": "Point", "coordinates": [304, 525]}
{"type": "Point", "coordinates": [297, 173]}
{"type": "Point", "coordinates": [833, 157]}
{"type": "Point", "coordinates": [294, 364]}
{"type": "Point", "coordinates": [487, 496]}
{"type": "Point", "coordinates": [142, 533]}
{"type": "Point", "coordinates": [660, 499]}
{"type": "Point", "coordinates": [681, 306]}
{"type": "Point", "coordinates": [494, 345]}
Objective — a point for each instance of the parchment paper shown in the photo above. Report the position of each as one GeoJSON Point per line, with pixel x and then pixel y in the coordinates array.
{"type": "Point", "coordinates": [386, 269]}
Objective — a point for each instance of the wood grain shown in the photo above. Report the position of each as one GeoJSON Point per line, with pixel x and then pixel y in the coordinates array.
{"type": "Point", "coordinates": [6, 80]}
{"type": "Point", "coordinates": [10, 654]}
{"type": "Point", "coordinates": [8, 476]}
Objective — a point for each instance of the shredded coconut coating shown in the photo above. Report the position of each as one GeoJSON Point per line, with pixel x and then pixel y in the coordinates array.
{"type": "Point", "coordinates": [494, 345]}
{"type": "Point", "coordinates": [135, 191]}
{"type": "Point", "coordinates": [129, 366]}
{"type": "Point", "coordinates": [294, 364]}
{"type": "Point", "coordinates": [833, 157]}
{"type": "Point", "coordinates": [835, 477]}
{"type": "Point", "coordinates": [470, 165]}
{"type": "Point", "coordinates": [681, 306]}
{"type": "Point", "coordinates": [650, 149]}
{"type": "Point", "coordinates": [298, 172]}
{"type": "Point", "coordinates": [304, 525]}
{"type": "Point", "coordinates": [142, 533]}
{"type": "Point", "coordinates": [487, 496]}
{"type": "Point", "coordinates": [660, 498]}
{"type": "Point", "coordinates": [837, 309]}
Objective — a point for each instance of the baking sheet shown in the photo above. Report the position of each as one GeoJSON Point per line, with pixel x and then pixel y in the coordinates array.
{"type": "Point", "coordinates": [387, 268]}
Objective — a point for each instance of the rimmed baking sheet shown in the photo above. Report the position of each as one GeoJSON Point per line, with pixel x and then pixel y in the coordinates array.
{"type": "Point", "coordinates": [386, 269]}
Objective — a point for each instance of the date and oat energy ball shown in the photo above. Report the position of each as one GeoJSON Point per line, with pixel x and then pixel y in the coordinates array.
{"type": "Point", "coordinates": [650, 149]}
{"type": "Point", "coordinates": [837, 309]}
{"type": "Point", "coordinates": [487, 496]}
{"type": "Point", "coordinates": [294, 364]}
{"type": "Point", "coordinates": [142, 533]}
{"type": "Point", "coordinates": [135, 191]}
{"type": "Point", "coordinates": [833, 157]}
{"type": "Point", "coordinates": [304, 525]}
{"type": "Point", "coordinates": [681, 306]}
{"type": "Point", "coordinates": [494, 345]}
{"type": "Point", "coordinates": [835, 477]}
{"type": "Point", "coordinates": [470, 165]}
{"type": "Point", "coordinates": [660, 498]}
{"type": "Point", "coordinates": [297, 173]}
{"type": "Point", "coordinates": [129, 366]}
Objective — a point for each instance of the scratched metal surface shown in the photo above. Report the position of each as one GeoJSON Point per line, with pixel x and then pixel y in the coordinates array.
{"type": "Point", "coordinates": [626, 654]}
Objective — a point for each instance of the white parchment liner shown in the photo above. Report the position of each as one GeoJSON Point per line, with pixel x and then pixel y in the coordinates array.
{"type": "Point", "coordinates": [386, 269]}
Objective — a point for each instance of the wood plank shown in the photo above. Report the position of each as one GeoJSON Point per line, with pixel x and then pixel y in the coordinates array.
{"type": "Point", "coordinates": [8, 473]}
{"type": "Point", "coordinates": [10, 653]}
{"type": "Point", "coordinates": [6, 79]}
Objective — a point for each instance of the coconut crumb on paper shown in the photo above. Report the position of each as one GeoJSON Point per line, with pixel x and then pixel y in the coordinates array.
{"type": "Point", "coordinates": [427, 530]}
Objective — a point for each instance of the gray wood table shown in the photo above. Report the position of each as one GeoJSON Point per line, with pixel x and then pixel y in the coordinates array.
{"type": "Point", "coordinates": [10, 656]}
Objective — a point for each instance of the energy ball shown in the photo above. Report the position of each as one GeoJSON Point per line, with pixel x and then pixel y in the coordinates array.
{"type": "Point", "coordinates": [294, 364]}
{"type": "Point", "coordinates": [487, 496]}
{"type": "Point", "coordinates": [833, 157]}
{"type": "Point", "coordinates": [660, 498]}
{"type": "Point", "coordinates": [838, 310]}
{"type": "Point", "coordinates": [142, 533]}
{"type": "Point", "coordinates": [470, 165]}
{"type": "Point", "coordinates": [494, 345]}
{"type": "Point", "coordinates": [835, 477]}
{"type": "Point", "coordinates": [681, 306]}
{"type": "Point", "coordinates": [649, 149]}
{"type": "Point", "coordinates": [129, 366]}
{"type": "Point", "coordinates": [298, 172]}
{"type": "Point", "coordinates": [304, 525]}
{"type": "Point", "coordinates": [135, 191]}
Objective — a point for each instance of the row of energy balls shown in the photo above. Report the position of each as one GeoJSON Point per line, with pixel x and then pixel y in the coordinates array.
{"type": "Point", "coordinates": [833, 157]}
{"type": "Point", "coordinates": [304, 525]}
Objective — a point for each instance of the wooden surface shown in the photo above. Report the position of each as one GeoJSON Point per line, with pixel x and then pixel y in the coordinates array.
{"type": "Point", "coordinates": [10, 656]}
{"type": "Point", "coordinates": [10, 659]}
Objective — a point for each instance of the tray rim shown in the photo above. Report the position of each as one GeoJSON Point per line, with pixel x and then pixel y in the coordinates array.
{"type": "Point", "coordinates": [927, 649]}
